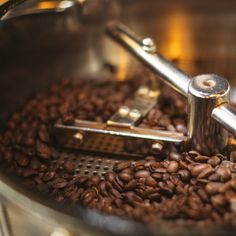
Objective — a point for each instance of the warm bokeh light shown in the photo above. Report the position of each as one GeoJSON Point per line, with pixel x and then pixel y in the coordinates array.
{"type": "Point", "coordinates": [179, 44]}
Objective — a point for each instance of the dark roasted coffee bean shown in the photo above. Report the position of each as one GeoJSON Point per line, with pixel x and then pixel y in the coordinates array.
{"type": "Point", "coordinates": [59, 183]}
{"type": "Point", "coordinates": [87, 196]}
{"type": "Point", "coordinates": [155, 197]}
{"type": "Point", "coordinates": [44, 151]}
{"type": "Point", "coordinates": [233, 156]}
{"type": "Point", "coordinates": [69, 166]}
{"type": "Point", "coordinates": [160, 170]}
{"type": "Point", "coordinates": [218, 200]}
{"type": "Point", "coordinates": [206, 173]}
{"type": "Point", "coordinates": [196, 170]}
{"type": "Point", "coordinates": [95, 180]}
{"type": "Point", "coordinates": [21, 160]}
{"type": "Point", "coordinates": [203, 195]}
{"type": "Point", "coordinates": [121, 166]}
{"type": "Point", "coordinates": [142, 174]}
{"type": "Point", "coordinates": [157, 176]}
{"type": "Point", "coordinates": [224, 173]}
{"type": "Point", "coordinates": [173, 167]}
{"type": "Point", "coordinates": [193, 153]}
{"type": "Point", "coordinates": [175, 156]}
{"type": "Point", "coordinates": [125, 176]}
{"type": "Point", "coordinates": [48, 176]}
{"type": "Point", "coordinates": [213, 188]}
{"type": "Point", "coordinates": [201, 159]}
{"type": "Point", "coordinates": [110, 176]}
{"type": "Point", "coordinates": [214, 161]}
{"type": "Point", "coordinates": [184, 174]}
{"type": "Point", "coordinates": [131, 185]}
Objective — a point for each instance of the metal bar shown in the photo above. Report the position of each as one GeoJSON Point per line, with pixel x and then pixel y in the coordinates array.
{"type": "Point", "coordinates": [226, 115]}
{"type": "Point", "coordinates": [173, 76]}
{"type": "Point", "coordinates": [133, 132]}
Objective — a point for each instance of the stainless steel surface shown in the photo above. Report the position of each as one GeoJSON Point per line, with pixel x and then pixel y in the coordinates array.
{"type": "Point", "coordinates": [197, 35]}
{"type": "Point", "coordinates": [225, 114]}
{"type": "Point", "coordinates": [4, 227]}
{"type": "Point", "coordinates": [31, 7]}
{"type": "Point", "coordinates": [176, 78]}
{"type": "Point", "coordinates": [204, 94]}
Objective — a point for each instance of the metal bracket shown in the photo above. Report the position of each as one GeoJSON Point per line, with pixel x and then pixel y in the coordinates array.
{"type": "Point", "coordinates": [119, 135]}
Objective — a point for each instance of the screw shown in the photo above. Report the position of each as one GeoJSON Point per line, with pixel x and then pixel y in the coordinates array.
{"type": "Point", "coordinates": [157, 148]}
{"type": "Point", "coordinates": [79, 137]}
{"type": "Point", "coordinates": [124, 111]}
{"type": "Point", "coordinates": [148, 45]}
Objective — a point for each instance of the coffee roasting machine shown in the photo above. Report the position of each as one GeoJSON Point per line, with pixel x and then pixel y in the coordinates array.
{"type": "Point", "coordinates": [185, 34]}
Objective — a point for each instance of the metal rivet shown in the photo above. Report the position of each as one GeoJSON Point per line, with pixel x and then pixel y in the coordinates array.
{"type": "Point", "coordinates": [134, 114]}
{"type": "Point", "coordinates": [124, 110]}
{"type": "Point", "coordinates": [79, 137]}
{"type": "Point", "coordinates": [148, 42]}
{"type": "Point", "coordinates": [143, 90]}
{"type": "Point", "coordinates": [157, 147]}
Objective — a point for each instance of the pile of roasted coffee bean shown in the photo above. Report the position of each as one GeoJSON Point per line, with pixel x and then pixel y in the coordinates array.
{"type": "Point", "coordinates": [180, 186]}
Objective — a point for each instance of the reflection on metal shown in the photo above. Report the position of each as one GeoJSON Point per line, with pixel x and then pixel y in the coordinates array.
{"type": "Point", "coordinates": [176, 78]}
{"type": "Point", "coordinates": [205, 93]}
{"type": "Point", "coordinates": [37, 7]}
{"type": "Point", "coordinates": [4, 228]}
{"type": "Point", "coordinates": [225, 115]}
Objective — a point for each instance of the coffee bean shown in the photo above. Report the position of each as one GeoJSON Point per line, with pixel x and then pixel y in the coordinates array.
{"type": "Point", "coordinates": [213, 187]}
{"type": "Point", "coordinates": [59, 183]}
{"type": "Point", "coordinates": [218, 200]}
{"type": "Point", "coordinates": [160, 170]}
{"type": "Point", "coordinates": [175, 156]}
{"type": "Point", "coordinates": [157, 176]}
{"type": "Point", "coordinates": [150, 181]}
{"type": "Point", "coordinates": [196, 170]}
{"type": "Point", "coordinates": [233, 156]}
{"type": "Point", "coordinates": [224, 173]}
{"type": "Point", "coordinates": [121, 166]}
{"type": "Point", "coordinates": [43, 150]}
{"type": "Point", "coordinates": [155, 197]}
{"type": "Point", "coordinates": [87, 196]}
{"type": "Point", "coordinates": [201, 159]}
{"type": "Point", "coordinates": [193, 153]}
{"type": "Point", "coordinates": [206, 173]}
{"type": "Point", "coordinates": [21, 159]}
{"type": "Point", "coordinates": [142, 174]}
{"type": "Point", "coordinates": [184, 174]}
{"type": "Point", "coordinates": [214, 161]}
{"type": "Point", "coordinates": [69, 166]}
{"type": "Point", "coordinates": [173, 167]}
{"type": "Point", "coordinates": [48, 176]}
{"type": "Point", "coordinates": [125, 176]}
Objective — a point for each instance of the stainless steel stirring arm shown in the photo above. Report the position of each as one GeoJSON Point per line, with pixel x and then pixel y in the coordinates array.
{"type": "Point", "coordinates": [208, 95]}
